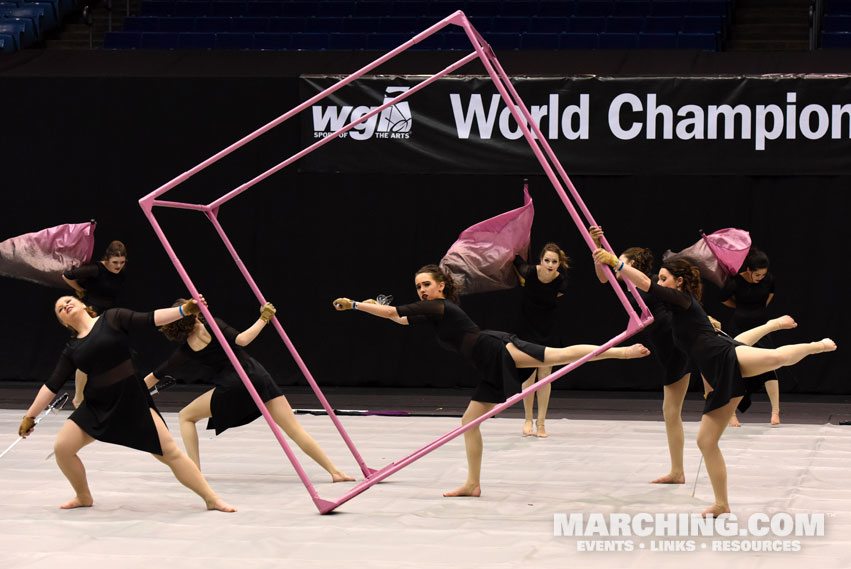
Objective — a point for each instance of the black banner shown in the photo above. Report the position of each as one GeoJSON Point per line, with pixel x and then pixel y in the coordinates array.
{"type": "Point", "coordinates": [767, 125]}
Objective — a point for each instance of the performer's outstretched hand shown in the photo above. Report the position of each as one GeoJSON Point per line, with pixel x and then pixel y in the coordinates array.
{"type": "Point", "coordinates": [267, 311]}
{"type": "Point", "coordinates": [603, 257]}
{"type": "Point", "coordinates": [343, 303]}
{"type": "Point", "coordinates": [26, 427]}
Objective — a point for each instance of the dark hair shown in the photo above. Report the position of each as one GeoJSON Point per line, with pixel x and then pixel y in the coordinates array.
{"type": "Point", "coordinates": [180, 329]}
{"type": "Point", "coordinates": [642, 259]}
{"type": "Point", "coordinates": [690, 275]}
{"type": "Point", "coordinates": [115, 249]}
{"type": "Point", "coordinates": [450, 289]}
{"type": "Point", "coordinates": [755, 260]}
{"type": "Point", "coordinates": [563, 259]}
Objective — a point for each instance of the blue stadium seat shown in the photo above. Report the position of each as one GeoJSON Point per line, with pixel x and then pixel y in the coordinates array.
{"type": "Point", "coordinates": [631, 8]}
{"type": "Point", "coordinates": [190, 9]}
{"type": "Point", "coordinates": [409, 9]}
{"type": "Point", "coordinates": [456, 41]}
{"type": "Point", "coordinates": [15, 32]}
{"type": "Point", "coordinates": [281, 25]}
{"type": "Point", "coordinates": [838, 7]}
{"type": "Point", "coordinates": [485, 9]}
{"type": "Point", "coordinates": [833, 23]}
{"type": "Point", "coordinates": [159, 40]}
{"type": "Point", "coordinates": [579, 40]}
{"type": "Point", "coordinates": [666, 40]}
{"type": "Point", "coordinates": [504, 41]}
{"type": "Point", "coordinates": [439, 9]}
{"type": "Point", "coordinates": [33, 13]}
{"type": "Point", "coordinates": [507, 25]}
{"type": "Point", "coordinates": [156, 8]}
{"type": "Point", "coordinates": [540, 41]}
{"type": "Point", "coordinates": [549, 25]}
{"type": "Point", "coordinates": [272, 41]}
{"type": "Point", "coordinates": [299, 9]}
{"type": "Point", "coordinates": [593, 7]}
{"type": "Point", "coordinates": [587, 24]}
{"type": "Point", "coordinates": [323, 25]}
{"type": "Point", "coordinates": [669, 8]}
{"type": "Point", "coordinates": [347, 41]}
{"type": "Point", "coordinates": [386, 41]}
{"type": "Point", "coordinates": [836, 40]}
{"type": "Point", "coordinates": [28, 36]}
{"type": "Point", "coordinates": [708, 8]}
{"type": "Point", "coordinates": [336, 8]}
{"type": "Point", "coordinates": [360, 25]}
{"type": "Point", "coordinates": [397, 24]}
{"type": "Point", "coordinates": [141, 24]}
{"type": "Point", "coordinates": [177, 24]}
{"type": "Point", "coordinates": [662, 24]}
{"type": "Point", "coordinates": [213, 25]}
{"type": "Point", "coordinates": [701, 24]}
{"type": "Point", "coordinates": [705, 42]}
{"type": "Point", "coordinates": [265, 9]}
{"type": "Point", "coordinates": [52, 13]}
{"type": "Point", "coordinates": [530, 8]}
{"type": "Point", "coordinates": [608, 40]}
{"type": "Point", "coordinates": [196, 40]}
{"type": "Point", "coordinates": [7, 44]}
{"type": "Point", "coordinates": [309, 41]}
{"type": "Point", "coordinates": [230, 40]}
{"type": "Point", "coordinates": [249, 25]}
{"type": "Point", "coordinates": [433, 42]}
{"type": "Point", "coordinates": [121, 40]}
{"type": "Point", "coordinates": [227, 9]}
{"type": "Point", "coordinates": [372, 9]}
{"type": "Point", "coordinates": [624, 24]}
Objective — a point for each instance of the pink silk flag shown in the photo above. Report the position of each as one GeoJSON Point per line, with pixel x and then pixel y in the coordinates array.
{"type": "Point", "coordinates": [718, 255]}
{"type": "Point", "coordinates": [43, 256]}
{"type": "Point", "coordinates": [482, 258]}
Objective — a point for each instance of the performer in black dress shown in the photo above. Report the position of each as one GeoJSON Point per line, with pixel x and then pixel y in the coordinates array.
{"type": "Point", "coordinates": [542, 285]}
{"type": "Point", "coordinates": [673, 362]}
{"type": "Point", "coordinates": [229, 404]}
{"type": "Point", "coordinates": [117, 407]}
{"type": "Point", "coordinates": [496, 355]}
{"type": "Point", "coordinates": [99, 285]}
{"type": "Point", "coordinates": [749, 294]}
{"type": "Point", "coordinates": [724, 362]}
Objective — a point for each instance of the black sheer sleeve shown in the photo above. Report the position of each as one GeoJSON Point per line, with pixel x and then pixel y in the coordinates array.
{"type": "Point", "coordinates": [729, 290]}
{"type": "Point", "coordinates": [63, 370]}
{"type": "Point", "coordinates": [421, 311]}
{"type": "Point", "coordinates": [127, 320]}
{"type": "Point", "coordinates": [562, 285]}
{"type": "Point", "coordinates": [230, 332]}
{"type": "Point", "coordinates": [670, 296]}
{"type": "Point", "coordinates": [83, 272]}
{"type": "Point", "coordinates": [178, 358]}
{"type": "Point", "coordinates": [522, 267]}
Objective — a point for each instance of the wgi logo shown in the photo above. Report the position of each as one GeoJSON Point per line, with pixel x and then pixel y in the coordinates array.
{"type": "Point", "coordinates": [393, 122]}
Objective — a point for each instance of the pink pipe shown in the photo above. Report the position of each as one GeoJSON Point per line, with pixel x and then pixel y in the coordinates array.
{"type": "Point", "coordinates": [180, 205]}
{"type": "Point", "coordinates": [305, 151]}
{"type": "Point", "coordinates": [299, 361]}
{"type": "Point", "coordinates": [184, 276]}
{"type": "Point", "coordinates": [440, 441]}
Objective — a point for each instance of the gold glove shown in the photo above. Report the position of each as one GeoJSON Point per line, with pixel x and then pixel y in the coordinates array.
{"type": "Point", "coordinates": [81, 294]}
{"type": "Point", "coordinates": [191, 307]}
{"type": "Point", "coordinates": [267, 311]}
{"type": "Point", "coordinates": [343, 304]}
{"type": "Point", "coordinates": [26, 426]}
{"type": "Point", "coordinates": [606, 257]}
{"type": "Point", "coordinates": [596, 234]}
{"type": "Point", "coordinates": [715, 323]}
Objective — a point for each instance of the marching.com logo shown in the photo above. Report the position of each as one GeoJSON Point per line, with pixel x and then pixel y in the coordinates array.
{"type": "Point", "coordinates": [393, 122]}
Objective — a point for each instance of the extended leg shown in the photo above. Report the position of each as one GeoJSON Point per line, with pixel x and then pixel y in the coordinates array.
{"type": "Point", "coordinates": [283, 415]}
{"type": "Point", "coordinates": [711, 428]}
{"type": "Point", "coordinates": [188, 416]}
{"type": "Point", "coordinates": [757, 361]}
{"type": "Point", "coordinates": [672, 410]}
{"type": "Point", "coordinates": [562, 356]}
{"type": "Point", "coordinates": [473, 445]}
{"type": "Point", "coordinates": [186, 471]}
{"type": "Point", "coordinates": [528, 404]}
{"type": "Point", "coordinates": [69, 441]}
{"type": "Point", "coordinates": [754, 335]}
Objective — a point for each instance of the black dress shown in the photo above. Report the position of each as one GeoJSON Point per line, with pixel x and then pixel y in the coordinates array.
{"type": "Point", "coordinates": [538, 307]}
{"type": "Point", "coordinates": [713, 354]}
{"type": "Point", "coordinates": [660, 339]}
{"type": "Point", "coordinates": [116, 408]}
{"type": "Point", "coordinates": [231, 405]}
{"type": "Point", "coordinates": [751, 311]}
{"type": "Point", "coordinates": [102, 286]}
{"type": "Point", "coordinates": [498, 377]}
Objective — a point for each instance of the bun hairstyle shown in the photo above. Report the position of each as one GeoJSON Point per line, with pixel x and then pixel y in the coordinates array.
{"type": "Point", "coordinates": [690, 275]}
{"type": "Point", "coordinates": [115, 249]}
{"type": "Point", "coordinates": [755, 260]}
{"type": "Point", "coordinates": [180, 329]}
{"type": "Point", "coordinates": [563, 260]}
{"type": "Point", "coordinates": [450, 289]}
{"type": "Point", "coordinates": [642, 259]}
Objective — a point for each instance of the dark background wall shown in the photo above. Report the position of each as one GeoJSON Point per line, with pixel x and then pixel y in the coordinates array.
{"type": "Point", "coordinates": [88, 135]}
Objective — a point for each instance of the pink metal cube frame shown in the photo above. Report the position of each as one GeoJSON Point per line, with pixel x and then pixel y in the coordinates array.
{"type": "Point", "coordinates": [546, 157]}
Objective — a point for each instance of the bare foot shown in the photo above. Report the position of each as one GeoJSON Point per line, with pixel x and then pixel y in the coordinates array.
{"type": "Point", "coordinates": [465, 490]}
{"type": "Point", "coordinates": [670, 479]}
{"type": "Point", "coordinates": [542, 431]}
{"type": "Point", "coordinates": [785, 322]}
{"type": "Point", "coordinates": [734, 421]}
{"type": "Point", "coordinates": [341, 477]}
{"type": "Point", "coordinates": [527, 428]}
{"type": "Point", "coordinates": [775, 418]}
{"type": "Point", "coordinates": [220, 505]}
{"type": "Point", "coordinates": [716, 511]}
{"type": "Point", "coordinates": [636, 351]}
{"type": "Point", "coordinates": [78, 502]}
{"type": "Point", "coordinates": [827, 345]}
